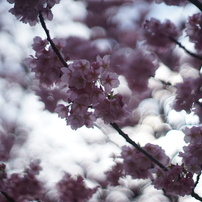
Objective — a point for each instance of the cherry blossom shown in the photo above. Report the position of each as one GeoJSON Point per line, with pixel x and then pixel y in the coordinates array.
{"type": "Point", "coordinates": [188, 93]}
{"type": "Point", "coordinates": [72, 188]}
{"type": "Point", "coordinates": [23, 186]}
{"type": "Point", "coordinates": [193, 30]}
{"type": "Point", "coordinates": [157, 34]}
{"type": "Point", "coordinates": [45, 64]}
{"type": "Point", "coordinates": [177, 180]}
{"type": "Point", "coordinates": [115, 174]}
{"type": "Point", "coordinates": [138, 165]}
{"type": "Point", "coordinates": [28, 12]}
{"type": "Point", "coordinates": [192, 153]}
{"type": "Point", "coordinates": [90, 93]}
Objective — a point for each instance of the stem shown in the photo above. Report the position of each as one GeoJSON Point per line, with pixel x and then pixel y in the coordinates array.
{"type": "Point", "coordinates": [197, 180]}
{"type": "Point", "coordinates": [126, 137]}
{"type": "Point", "coordinates": [193, 194]}
{"type": "Point", "coordinates": [57, 52]}
{"type": "Point", "coordinates": [196, 196]}
{"type": "Point", "coordinates": [187, 51]}
{"type": "Point", "coordinates": [197, 4]}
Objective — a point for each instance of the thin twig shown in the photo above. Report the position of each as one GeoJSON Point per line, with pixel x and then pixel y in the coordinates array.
{"type": "Point", "coordinates": [57, 52]}
{"type": "Point", "coordinates": [108, 139]}
{"type": "Point", "coordinates": [126, 137]}
{"type": "Point", "coordinates": [187, 51]}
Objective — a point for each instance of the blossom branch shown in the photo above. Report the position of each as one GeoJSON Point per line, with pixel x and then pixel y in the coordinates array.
{"type": "Point", "coordinates": [7, 196]}
{"type": "Point", "coordinates": [197, 180]}
{"type": "Point", "coordinates": [197, 4]}
{"type": "Point", "coordinates": [126, 137]}
{"type": "Point", "coordinates": [57, 52]}
{"type": "Point", "coordinates": [196, 196]}
{"type": "Point", "coordinates": [187, 51]}
{"type": "Point", "coordinates": [193, 194]}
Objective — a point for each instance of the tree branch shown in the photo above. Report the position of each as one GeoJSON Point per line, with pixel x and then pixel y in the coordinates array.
{"type": "Point", "coordinates": [193, 194]}
{"type": "Point", "coordinates": [126, 137]}
{"type": "Point", "coordinates": [57, 52]}
{"type": "Point", "coordinates": [197, 180]}
{"type": "Point", "coordinates": [187, 51]}
{"type": "Point", "coordinates": [196, 196]}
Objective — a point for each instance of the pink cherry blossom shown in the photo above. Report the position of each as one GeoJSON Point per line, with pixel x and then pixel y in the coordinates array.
{"type": "Point", "coordinates": [62, 110]}
{"type": "Point", "coordinates": [193, 135]}
{"type": "Point", "coordinates": [45, 64]}
{"type": "Point", "coordinates": [191, 155]}
{"type": "Point", "coordinates": [114, 174]}
{"type": "Point", "coordinates": [193, 30]}
{"type": "Point", "coordinates": [176, 181]}
{"type": "Point", "coordinates": [103, 62]}
{"type": "Point", "coordinates": [90, 94]}
{"type": "Point", "coordinates": [188, 92]}
{"type": "Point", "coordinates": [72, 188]}
{"type": "Point", "coordinates": [138, 165]}
{"type": "Point", "coordinates": [157, 34]}
{"type": "Point", "coordinates": [28, 12]}
{"type": "Point", "coordinates": [109, 81]}
{"type": "Point", "coordinates": [112, 110]}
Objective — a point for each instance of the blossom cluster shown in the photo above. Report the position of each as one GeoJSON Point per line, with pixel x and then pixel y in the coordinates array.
{"type": "Point", "coordinates": [192, 155]}
{"type": "Point", "coordinates": [89, 86]}
{"type": "Point", "coordinates": [45, 64]}
{"type": "Point", "coordinates": [26, 186]}
{"type": "Point", "coordinates": [28, 11]}
{"type": "Point", "coordinates": [136, 70]}
{"type": "Point", "coordinates": [175, 181]}
{"type": "Point", "coordinates": [193, 30]}
{"type": "Point", "coordinates": [114, 174]}
{"type": "Point", "coordinates": [73, 189]}
{"type": "Point", "coordinates": [139, 166]}
{"type": "Point", "coordinates": [157, 35]}
{"type": "Point", "coordinates": [188, 93]}
{"type": "Point", "coordinates": [22, 186]}
{"type": "Point", "coordinates": [89, 95]}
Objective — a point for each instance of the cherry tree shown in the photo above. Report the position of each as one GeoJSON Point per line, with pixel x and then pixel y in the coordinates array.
{"type": "Point", "coordinates": [80, 79]}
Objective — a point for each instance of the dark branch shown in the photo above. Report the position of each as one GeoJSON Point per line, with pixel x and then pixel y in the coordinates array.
{"type": "Point", "coordinates": [57, 52]}
{"type": "Point", "coordinates": [187, 51]}
{"type": "Point", "coordinates": [197, 180]}
{"type": "Point", "coordinates": [196, 196]}
{"type": "Point", "coordinates": [196, 3]}
{"type": "Point", "coordinates": [126, 137]}
{"type": "Point", "coordinates": [7, 196]}
{"type": "Point", "coordinates": [193, 194]}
